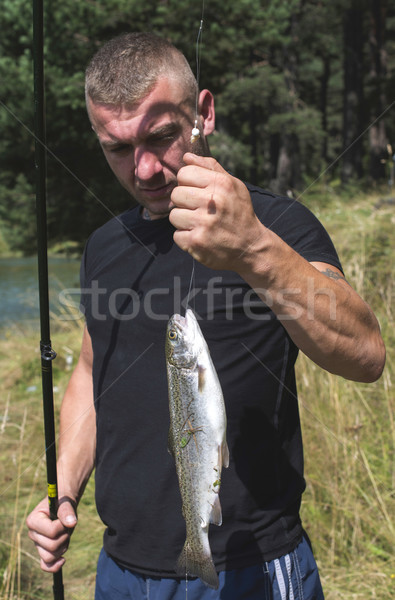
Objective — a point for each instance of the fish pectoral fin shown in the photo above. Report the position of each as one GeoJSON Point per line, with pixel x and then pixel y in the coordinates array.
{"type": "Point", "coordinates": [225, 455]}
{"type": "Point", "coordinates": [201, 377]}
{"type": "Point", "coordinates": [216, 512]}
{"type": "Point", "coordinates": [203, 523]}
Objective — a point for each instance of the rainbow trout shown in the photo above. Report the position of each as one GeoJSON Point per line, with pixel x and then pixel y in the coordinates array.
{"type": "Point", "coordinates": [197, 440]}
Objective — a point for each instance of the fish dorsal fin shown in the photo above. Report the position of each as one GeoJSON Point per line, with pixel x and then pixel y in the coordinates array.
{"type": "Point", "coordinates": [201, 378]}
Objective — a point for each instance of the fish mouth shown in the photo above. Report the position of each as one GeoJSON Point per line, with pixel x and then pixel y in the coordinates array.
{"type": "Point", "coordinates": [179, 319]}
{"type": "Point", "coordinates": [183, 324]}
{"type": "Point", "coordinates": [181, 347]}
{"type": "Point", "coordinates": [179, 323]}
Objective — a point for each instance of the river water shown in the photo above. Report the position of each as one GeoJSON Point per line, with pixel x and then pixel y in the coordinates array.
{"type": "Point", "coordinates": [19, 299]}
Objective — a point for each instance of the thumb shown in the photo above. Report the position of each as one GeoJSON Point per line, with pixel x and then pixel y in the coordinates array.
{"type": "Point", "coordinates": [67, 512]}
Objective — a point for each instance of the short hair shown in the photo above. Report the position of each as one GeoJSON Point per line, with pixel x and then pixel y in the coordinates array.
{"type": "Point", "coordinates": [126, 68]}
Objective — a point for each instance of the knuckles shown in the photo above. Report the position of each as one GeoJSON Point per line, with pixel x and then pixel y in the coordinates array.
{"type": "Point", "coordinates": [215, 231]}
{"type": "Point", "coordinates": [55, 548]}
{"type": "Point", "coordinates": [51, 566]}
{"type": "Point", "coordinates": [51, 538]}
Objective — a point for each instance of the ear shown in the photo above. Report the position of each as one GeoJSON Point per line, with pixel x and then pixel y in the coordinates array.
{"type": "Point", "coordinates": [207, 111]}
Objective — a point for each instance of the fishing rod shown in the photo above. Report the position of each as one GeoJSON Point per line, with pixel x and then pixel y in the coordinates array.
{"type": "Point", "coordinates": [47, 353]}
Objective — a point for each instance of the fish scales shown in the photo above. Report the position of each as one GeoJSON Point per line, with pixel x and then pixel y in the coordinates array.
{"type": "Point", "coordinates": [197, 440]}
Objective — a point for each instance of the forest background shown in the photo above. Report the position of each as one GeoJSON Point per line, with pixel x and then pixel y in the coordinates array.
{"type": "Point", "coordinates": [303, 88]}
{"type": "Point", "coordinates": [305, 99]}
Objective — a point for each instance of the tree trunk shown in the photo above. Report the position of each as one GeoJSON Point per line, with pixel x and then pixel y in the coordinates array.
{"type": "Point", "coordinates": [378, 101]}
{"type": "Point", "coordinates": [253, 143]}
{"type": "Point", "coordinates": [353, 123]}
{"type": "Point", "coordinates": [326, 73]}
{"type": "Point", "coordinates": [288, 164]}
{"type": "Point", "coordinates": [288, 167]}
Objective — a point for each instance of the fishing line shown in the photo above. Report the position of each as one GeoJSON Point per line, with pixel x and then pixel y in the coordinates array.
{"type": "Point", "coordinates": [195, 134]}
{"type": "Point", "coordinates": [191, 281]}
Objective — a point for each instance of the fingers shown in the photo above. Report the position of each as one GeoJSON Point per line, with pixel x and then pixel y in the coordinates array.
{"type": "Point", "coordinates": [198, 183]}
{"type": "Point", "coordinates": [207, 162]}
{"type": "Point", "coordinates": [67, 512]}
{"type": "Point", "coordinates": [51, 552]}
{"type": "Point", "coordinates": [186, 197]}
{"type": "Point", "coordinates": [51, 538]}
{"type": "Point", "coordinates": [199, 171]}
{"type": "Point", "coordinates": [213, 214]}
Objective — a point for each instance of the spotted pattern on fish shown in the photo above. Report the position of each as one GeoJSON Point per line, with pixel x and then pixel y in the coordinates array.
{"type": "Point", "coordinates": [197, 440]}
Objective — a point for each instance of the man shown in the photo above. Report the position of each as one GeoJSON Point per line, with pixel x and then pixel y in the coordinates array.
{"type": "Point", "coordinates": [267, 282]}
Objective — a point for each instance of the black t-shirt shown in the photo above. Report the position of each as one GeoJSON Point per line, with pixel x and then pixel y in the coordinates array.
{"type": "Point", "coordinates": [133, 278]}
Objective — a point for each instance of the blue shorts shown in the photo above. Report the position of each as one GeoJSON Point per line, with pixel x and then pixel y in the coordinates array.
{"type": "Point", "coordinates": [291, 577]}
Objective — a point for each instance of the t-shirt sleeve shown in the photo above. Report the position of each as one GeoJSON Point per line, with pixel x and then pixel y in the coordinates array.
{"type": "Point", "coordinates": [298, 227]}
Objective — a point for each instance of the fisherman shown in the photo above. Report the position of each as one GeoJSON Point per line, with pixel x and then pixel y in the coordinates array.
{"type": "Point", "coordinates": [267, 282]}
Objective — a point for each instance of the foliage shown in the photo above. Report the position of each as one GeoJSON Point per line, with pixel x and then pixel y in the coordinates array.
{"type": "Point", "coordinates": [275, 66]}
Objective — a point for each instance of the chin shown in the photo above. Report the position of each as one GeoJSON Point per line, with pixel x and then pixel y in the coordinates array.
{"type": "Point", "coordinates": [158, 210]}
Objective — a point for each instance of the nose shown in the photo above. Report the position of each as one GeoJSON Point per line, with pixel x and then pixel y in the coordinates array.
{"type": "Point", "coordinates": [146, 164]}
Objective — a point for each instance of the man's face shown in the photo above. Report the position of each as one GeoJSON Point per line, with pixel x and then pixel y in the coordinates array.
{"type": "Point", "coordinates": [144, 145]}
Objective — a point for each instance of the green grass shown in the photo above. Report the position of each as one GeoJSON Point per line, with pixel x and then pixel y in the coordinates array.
{"type": "Point", "coordinates": [348, 428]}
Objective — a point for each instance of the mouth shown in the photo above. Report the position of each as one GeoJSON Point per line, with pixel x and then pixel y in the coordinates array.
{"type": "Point", "coordinates": [158, 192]}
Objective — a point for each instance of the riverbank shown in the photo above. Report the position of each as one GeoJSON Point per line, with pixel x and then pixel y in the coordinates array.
{"type": "Point", "coordinates": [19, 295]}
{"type": "Point", "coordinates": [67, 249]}
{"type": "Point", "coordinates": [348, 428]}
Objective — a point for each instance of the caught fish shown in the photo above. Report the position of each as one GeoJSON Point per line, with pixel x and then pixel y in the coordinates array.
{"type": "Point", "coordinates": [197, 440]}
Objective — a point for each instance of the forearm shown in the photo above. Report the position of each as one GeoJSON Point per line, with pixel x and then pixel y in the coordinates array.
{"type": "Point", "coordinates": [215, 222]}
{"type": "Point", "coordinates": [77, 439]}
{"type": "Point", "coordinates": [324, 316]}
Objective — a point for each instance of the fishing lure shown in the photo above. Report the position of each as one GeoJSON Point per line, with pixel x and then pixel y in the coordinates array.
{"type": "Point", "coordinates": [195, 133]}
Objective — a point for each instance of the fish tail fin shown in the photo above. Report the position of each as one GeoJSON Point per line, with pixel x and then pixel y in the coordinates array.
{"type": "Point", "coordinates": [197, 563]}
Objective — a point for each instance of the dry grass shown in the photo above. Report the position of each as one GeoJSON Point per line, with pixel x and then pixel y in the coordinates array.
{"type": "Point", "coordinates": [23, 472]}
{"type": "Point", "coordinates": [349, 429]}
{"type": "Point", "coordinates": [349, 435]}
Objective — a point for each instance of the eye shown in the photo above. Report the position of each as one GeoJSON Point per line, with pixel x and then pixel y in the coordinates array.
{"type": "Point", "coordinates": [119, 149]}
{"type": "Point", "coordinates": [172, 335]}
{"type": "Point", "coordinates": [161, 141]}
{"type": "Point", "coordinates": [164, 136]}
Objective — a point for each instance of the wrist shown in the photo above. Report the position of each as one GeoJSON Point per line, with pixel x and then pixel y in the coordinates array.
{"type": "Point", "coordinates": [254, 261]}
{"type": "Point", "coordinates": [70, 488]}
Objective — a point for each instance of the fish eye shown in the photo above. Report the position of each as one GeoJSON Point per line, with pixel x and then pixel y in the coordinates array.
{"type": "Point", "coordinates": [172, 335]}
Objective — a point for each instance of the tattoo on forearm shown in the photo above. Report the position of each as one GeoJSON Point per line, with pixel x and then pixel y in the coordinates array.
{"type": "Point", "coordinates": [333, 274]}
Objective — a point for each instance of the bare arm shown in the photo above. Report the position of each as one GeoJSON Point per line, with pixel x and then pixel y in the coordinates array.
{"type": "Point", "coordinates": [323, 315]}
{"type": "Point", "coordinates": [77, 439]}
{"type": "Point", "coordinates": [77, 443]}
{"type": "Point", "coordinates": [321, 312]}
